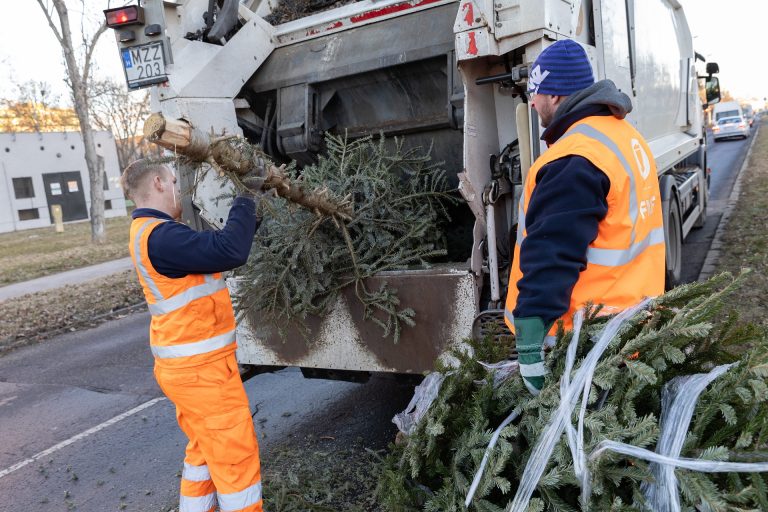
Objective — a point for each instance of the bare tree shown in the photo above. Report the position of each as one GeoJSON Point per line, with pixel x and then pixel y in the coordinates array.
{"type": "Point", "coordinates": [114, 108]}
{"type": "Point", "coordinates": [78, 74]}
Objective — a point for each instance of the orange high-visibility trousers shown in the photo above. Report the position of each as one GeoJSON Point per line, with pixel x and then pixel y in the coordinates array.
{"type": "Point", "coordinates": [222, 457]}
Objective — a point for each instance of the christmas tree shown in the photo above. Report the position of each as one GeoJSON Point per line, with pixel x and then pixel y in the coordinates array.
{"type": "Point", "coordinates": [303, 259]}
{"type": "Point", "coordinates": [631, 399]}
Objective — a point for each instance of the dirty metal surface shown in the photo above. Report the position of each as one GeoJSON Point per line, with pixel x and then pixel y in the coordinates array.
{"type": "Point", "coordinates": [444, 300]}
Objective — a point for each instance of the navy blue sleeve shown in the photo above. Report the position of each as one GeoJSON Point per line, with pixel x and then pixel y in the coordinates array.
{"type": "Point", "coordinates": [176, 250]}
{"type": "Point", "coordinates": [562, 218]}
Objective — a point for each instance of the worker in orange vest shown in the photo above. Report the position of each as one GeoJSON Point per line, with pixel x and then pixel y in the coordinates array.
{"type": "Point", "coordinates": [590, 224]}
{"type": "Point", "coordinates": [192, 336]}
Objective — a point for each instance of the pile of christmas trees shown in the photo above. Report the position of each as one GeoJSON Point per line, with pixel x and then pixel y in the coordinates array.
{"type": "Point", "coordinates": [634, 397]}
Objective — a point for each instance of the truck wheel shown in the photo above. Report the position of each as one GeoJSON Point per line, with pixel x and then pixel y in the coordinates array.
{"type": "Point", "coordinates": [673, 235]}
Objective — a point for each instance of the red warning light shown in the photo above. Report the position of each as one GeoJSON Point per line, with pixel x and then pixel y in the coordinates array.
{"type": "Point", "coordinates": [122, 16]}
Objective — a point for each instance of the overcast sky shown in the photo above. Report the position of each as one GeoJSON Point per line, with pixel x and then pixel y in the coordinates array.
{"type": "Point", "coordinates": [732, 33]}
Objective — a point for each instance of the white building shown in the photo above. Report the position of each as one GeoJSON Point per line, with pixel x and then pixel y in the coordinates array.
{"type": "Point", "coordinates": [38, 170]}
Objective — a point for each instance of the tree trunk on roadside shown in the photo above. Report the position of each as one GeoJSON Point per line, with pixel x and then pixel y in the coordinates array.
{"type": "Point", "coordinates": [78, 82]}
{"type": "Point", "coordinates": [113, 107]}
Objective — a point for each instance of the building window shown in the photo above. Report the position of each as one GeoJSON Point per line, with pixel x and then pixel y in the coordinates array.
{"type": "Point", "coordinates": [108, 204]}
{"type": "Point", "coordinates": [106, 181]}
{"type": "Point", "coordinates": [29, 214]}
{"type": "Point", "coordinates": [23, 188]}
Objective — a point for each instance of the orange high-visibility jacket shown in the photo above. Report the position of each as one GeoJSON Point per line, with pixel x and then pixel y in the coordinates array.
{"type": "Point", "coordinates": [625, 263]}
{"type": "Point", "coordinates": [192, 317]}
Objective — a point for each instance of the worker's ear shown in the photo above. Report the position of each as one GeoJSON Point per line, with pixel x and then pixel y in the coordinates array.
{"type": "Point", "coordinates": [158, 183]}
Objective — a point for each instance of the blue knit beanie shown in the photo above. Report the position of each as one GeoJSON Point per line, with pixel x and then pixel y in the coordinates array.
{"type": "Point", "coordinates": [561, 70]}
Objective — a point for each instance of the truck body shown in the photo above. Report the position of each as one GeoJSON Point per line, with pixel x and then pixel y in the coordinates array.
{"type": "Point", "coordinates": [727, 109]}
{"type": "Point", "coordinates": [444, 73]}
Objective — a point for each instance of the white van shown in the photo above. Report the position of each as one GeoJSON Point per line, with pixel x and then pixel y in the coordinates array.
{"type": "Point", "coordinates": [727, 109]}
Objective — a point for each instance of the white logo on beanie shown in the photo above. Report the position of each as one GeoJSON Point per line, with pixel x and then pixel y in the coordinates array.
{"type": "Point", "coordinates": [535, 79]}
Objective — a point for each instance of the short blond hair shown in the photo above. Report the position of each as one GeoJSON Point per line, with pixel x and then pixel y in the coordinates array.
{"type": "Point", "coordinates": [136, 174]}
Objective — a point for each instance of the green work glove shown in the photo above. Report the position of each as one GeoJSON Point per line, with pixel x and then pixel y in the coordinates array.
{"type": "Point", "coordinates": [529, 340]}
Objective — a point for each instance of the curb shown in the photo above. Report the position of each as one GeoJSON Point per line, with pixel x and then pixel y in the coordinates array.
{"type": "Point", "coordinates": [709, 268]}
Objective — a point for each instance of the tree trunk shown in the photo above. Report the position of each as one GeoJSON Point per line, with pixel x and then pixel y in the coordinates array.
{"type": "Point", "coordinates": [180, 136]}
{"type": "Point", "coordinates": [79, 85]}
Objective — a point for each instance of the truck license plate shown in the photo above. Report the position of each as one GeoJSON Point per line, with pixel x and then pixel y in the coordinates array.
{"type": "Point", "coordinates": [144, 65]}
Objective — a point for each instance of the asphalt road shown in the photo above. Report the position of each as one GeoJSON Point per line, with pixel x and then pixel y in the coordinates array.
{"type": "Point", "coordinates": [725, 159]}
{"type": "Point", "coordinates": [83, 426]}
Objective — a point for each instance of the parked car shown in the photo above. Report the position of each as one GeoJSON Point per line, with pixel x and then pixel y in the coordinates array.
{"type": "Point", "coordinates": [730, 127]}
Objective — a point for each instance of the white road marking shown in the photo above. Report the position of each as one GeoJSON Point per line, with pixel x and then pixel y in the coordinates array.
{"type": "Point", "coordinates": [80, 436]}
{"type": "Point", "coordinates": [8, 400]}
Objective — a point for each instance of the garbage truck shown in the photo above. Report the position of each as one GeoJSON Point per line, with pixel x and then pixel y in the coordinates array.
{"type": "Point", "coordinates": [449, 74]}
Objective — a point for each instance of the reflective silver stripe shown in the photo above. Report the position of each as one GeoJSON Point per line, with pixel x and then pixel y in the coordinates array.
{"type": "Point", "coordinates": [533, 370]}
{"type": "Point", "coordinates": [520, 223]}
{"type": "Point", "coordinates": [592, 133]}
{"type": "Point", "coordinates": [138, 261]}
{"type": "Point", "coordinates": [196, 473]}
{"type": "Point", "coordinates": [170, 304]}
{"type": "Point", "coordinates": [508, 313]}
{"type": "Point", "coordinates": [195, 348]}
{"type": "Point", "coordinates": [240, 500]}
{"type": "Point", "coordinates": [197, 503]}
{"type": "Point", "coordinates": [619, 257]}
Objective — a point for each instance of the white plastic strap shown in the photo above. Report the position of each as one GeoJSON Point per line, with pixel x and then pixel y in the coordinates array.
{"type": "Point", "coordinates": [678, 403]}
{"type": "Point", "coordinates": [701, 465]}
{"type": "Point", "coordinates": [423, 396]}
{"type": "Point", "coordinates": [570, 393]}
{"type": "Point", "coordinates": [502, 371]}
{"type": "Point", "coordinates": [487, 454]}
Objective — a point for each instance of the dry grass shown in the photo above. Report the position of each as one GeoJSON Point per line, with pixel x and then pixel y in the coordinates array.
{"type": "Point", "coordinates": [37, 316]}
{"type": "Point", "coordinates": [40, 252]}
{"type": "Point", "coordinates": [745, 241]}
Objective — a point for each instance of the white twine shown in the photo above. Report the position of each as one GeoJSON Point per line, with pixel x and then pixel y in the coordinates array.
{"type": "Point", "coordinates": [678, 402]}
{"type": "Point", "coordinates": [476, 481]}
{"type": "Point", "coordinates": [569, 392]}
{"type": "Point", "coordinates": [423, 396]}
